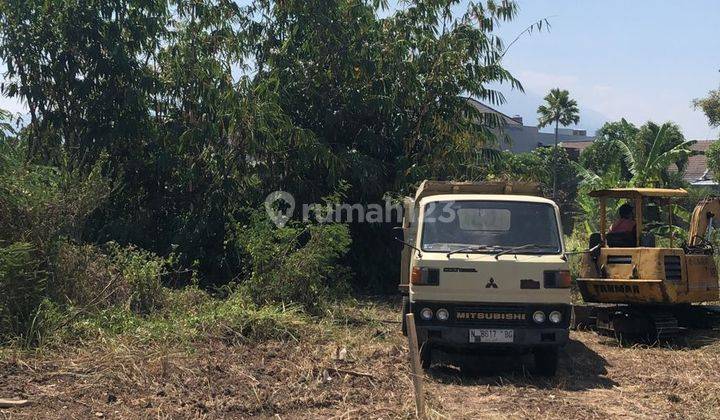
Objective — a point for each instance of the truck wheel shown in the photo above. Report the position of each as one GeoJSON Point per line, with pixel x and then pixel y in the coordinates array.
{"type": "Point", "coordinates": [425, 355]}
{"type": "Point", "coordinates": [546, 361]}
{"type": "Point", "coordinates": [405, 310]}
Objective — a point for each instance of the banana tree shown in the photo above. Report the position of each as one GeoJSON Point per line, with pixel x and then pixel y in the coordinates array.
{"type": "Point", "coordinates": [649, 167]}
{"type": "Point", "coordinates": [589, 215]}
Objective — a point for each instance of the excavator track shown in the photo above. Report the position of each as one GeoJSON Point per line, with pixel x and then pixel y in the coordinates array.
{"type": "Point", "coordinates": [665, 326]}
{"type": "Point", "coordinates": [705, 317]}
{"type": "Point", "coordinates": [629, 321]}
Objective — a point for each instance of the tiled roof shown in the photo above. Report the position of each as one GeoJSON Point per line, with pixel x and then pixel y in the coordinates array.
{"type": "Point", "coordinates": [574, 148]}
{"type": "Point", "coordinates": [702, 145]}
{"type": "Point", "coordinates": [576, 145]}
{"type": "Point", "coordinates": [483, 108]}
{"type": "Point", "coordinates": [696, 169]}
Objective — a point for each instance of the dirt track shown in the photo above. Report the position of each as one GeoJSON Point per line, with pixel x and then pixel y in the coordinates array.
{"type": "Point", "coordinates": [597, 379]}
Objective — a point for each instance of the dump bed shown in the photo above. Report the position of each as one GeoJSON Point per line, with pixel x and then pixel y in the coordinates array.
{"type": "Point", "coordinates": [428, 188]}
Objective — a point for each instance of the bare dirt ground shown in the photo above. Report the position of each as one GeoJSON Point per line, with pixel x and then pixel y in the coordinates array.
{"type": "Point", "coordinates": [313, 377]}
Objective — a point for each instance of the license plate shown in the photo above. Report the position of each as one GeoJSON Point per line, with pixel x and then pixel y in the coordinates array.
{"type": "Point", "coordinates": [491, 336]}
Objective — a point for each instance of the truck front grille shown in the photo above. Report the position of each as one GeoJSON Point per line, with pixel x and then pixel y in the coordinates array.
{"type": "Point", "coordinates": [499, 315]}
{"type": "Point", "coordinates": [673, 268]}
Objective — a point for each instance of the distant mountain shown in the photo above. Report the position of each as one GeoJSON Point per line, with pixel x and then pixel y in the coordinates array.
{"type": "Point", "coordinates": [526, 105]}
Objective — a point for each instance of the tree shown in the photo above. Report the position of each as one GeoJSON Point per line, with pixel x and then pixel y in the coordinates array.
{"type": "Point", "coordinates": [713, 159]}
{"type": "Point", "coordinates": [83, 68]}
{"type": "Point", "coordinates": [649, 155]}
{"type": "Point", "coordinates": [711, 107]}
{"type": "Point", "coordinates": [604, 154]}
{"type": "Point", "coordinates": [601, 156]}
{"type": "Point", "coordinates": [619, 139]}
{"type": "Point", "coordinates": [330, 91]}
{"type": "Point", "coordinates": [560, 110]}
{"type": "Point", "coordinates": [381, 98]}
{"type": "Point", "coordinates": [6, 127]}
{"type": "Point", "coordinates": [536, 166]}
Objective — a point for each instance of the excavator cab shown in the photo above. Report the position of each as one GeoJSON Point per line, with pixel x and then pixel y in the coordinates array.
{"type": "Point", "coordinates": [652, 286]}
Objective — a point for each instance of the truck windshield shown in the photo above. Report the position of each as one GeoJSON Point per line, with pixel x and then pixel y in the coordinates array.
{"type": "Point", "coordinates": [490, 226]}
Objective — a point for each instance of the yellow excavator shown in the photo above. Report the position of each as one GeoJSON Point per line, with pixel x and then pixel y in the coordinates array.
{"type": "Point", "coordinates": [634, 288]}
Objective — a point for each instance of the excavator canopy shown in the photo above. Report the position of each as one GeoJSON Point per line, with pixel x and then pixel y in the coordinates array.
{"type": "Point", "coordinates": [636, 195]}
{"type": "Point", "coordinates": [632, 193]}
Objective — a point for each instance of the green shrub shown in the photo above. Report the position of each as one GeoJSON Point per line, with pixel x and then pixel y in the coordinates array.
{"type": "Point", "coordinates": [108, 321]}
{"type": "Point", "coordinates": [141, 271]}
{"type": "Point", "coordinates": [297, 263]}
{"type": "Point", "coordinates": [239, 320]}
{"type": "Point", "coordinates": [40, 204]}
{"type": "Point", "coordinates": [85, 277]}
{"type": "Point", "coordinates": [192, 315]}
{"type": "Point", "coordinates": [23, 283]}
{"type": "Point", "coordinates": [578, 241]}
{"type": "Point", "coordinates": [40, 208]}
{"type": "Point", "coordinates": [93, 278]}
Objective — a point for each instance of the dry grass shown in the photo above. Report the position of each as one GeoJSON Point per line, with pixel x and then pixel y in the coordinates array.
{"type": "Point", "coordinates": [305, 378]}
{"type": "Point", "coordinates": [597, 379]}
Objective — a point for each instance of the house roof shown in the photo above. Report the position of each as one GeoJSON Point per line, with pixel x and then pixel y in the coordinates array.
{"type": "Point", "coordinates": [487, 109]}
{"type": "Point", "coordinates": [576, 145]}
{"type": "Point", "coordinates": [696, 171]}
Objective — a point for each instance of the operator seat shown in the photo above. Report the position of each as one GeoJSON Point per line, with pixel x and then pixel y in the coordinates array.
{"type": "Point", "coordinates": [621, 239]}
{"type": "Point", "coordinates": [647, 240]}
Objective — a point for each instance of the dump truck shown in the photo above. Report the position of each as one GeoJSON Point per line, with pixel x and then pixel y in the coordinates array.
{"type": "Point", "coordinates": [483, 269]}
{"type": "Point", "coordinates": [632, 287]}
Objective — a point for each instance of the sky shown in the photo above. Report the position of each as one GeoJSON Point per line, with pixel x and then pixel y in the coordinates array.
{"type": "Point", "coordinates": [638, 59]}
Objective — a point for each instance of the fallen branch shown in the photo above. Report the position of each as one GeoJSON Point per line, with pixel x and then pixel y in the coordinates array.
{"type": "Point", "coordinates": [349, 372]}
{"type": "Point", "coordinates": [74, 374]}
{"type": "Point", "coordinates": [12, 402]}
{"type": "Point", "coordinates": [386, 321]}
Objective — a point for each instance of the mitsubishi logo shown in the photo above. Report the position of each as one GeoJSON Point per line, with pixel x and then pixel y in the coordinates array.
{"type": "Point", "coordinates": [492, 284]}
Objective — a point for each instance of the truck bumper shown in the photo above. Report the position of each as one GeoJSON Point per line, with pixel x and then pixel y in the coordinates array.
{"type": "Point", "coordinates": [523, 338]}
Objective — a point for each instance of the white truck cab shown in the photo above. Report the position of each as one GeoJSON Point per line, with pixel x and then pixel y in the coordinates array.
{"type": "Point", "coordinates": [484, 269]}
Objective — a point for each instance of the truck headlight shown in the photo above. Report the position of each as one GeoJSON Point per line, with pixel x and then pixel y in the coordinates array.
{"type": "Point", "coordinates": [539, 317]}
{"type": "Point", "coordinates": [442, 314]}
{"type": "Point", "coordinates": [426, 314]}
{"type": "Point", "coordinates": [425, 276]}
{"type": "Point", "coordinates": [555, 317]}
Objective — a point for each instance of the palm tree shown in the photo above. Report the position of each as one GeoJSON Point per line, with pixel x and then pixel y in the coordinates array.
{"type": "Point", "coordinates": [561, 110]}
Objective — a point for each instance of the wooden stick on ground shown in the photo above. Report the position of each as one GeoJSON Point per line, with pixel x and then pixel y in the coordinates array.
{"type": "Point", "coordinates": [350, 372]}
{"type": "Point", "coordinates": [415, 365]}
{"type": "Point", "coordinates": [10, 403]}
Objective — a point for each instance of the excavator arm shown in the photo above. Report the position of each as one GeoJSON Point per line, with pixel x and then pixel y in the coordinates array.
{"type": "Point", "coordinates": [705, 218]}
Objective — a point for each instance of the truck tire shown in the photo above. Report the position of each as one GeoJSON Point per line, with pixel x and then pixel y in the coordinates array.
{"type": "Point", "coordinates": [405, 310]}
{"type": "Point", "coordinates": [546, 361]}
